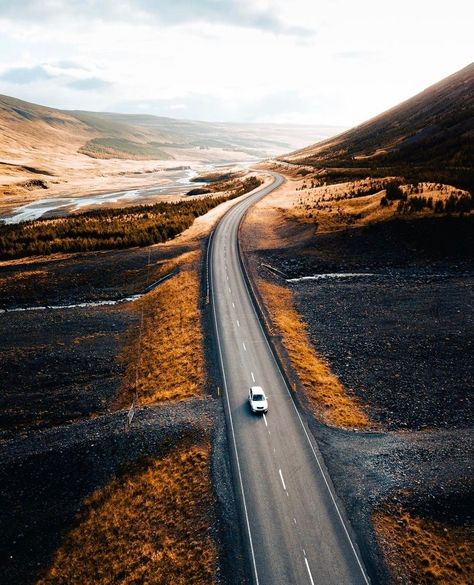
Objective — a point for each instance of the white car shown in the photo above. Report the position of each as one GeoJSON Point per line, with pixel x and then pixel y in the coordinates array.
{"type": "Point", "coordinates": [257, 400]}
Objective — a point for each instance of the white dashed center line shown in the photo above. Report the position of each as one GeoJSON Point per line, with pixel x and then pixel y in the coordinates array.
{"type": "Point", "coordinates": [233, 305]}
{"type": "Point", "coordinates": [244, 346]}
{"type": "Point", "coordinates": [230, 290]}
{"type": "Point", "coordinates": [282, 480]}
{"type": "Point", "coordinates": [265, 420]}
{"type": "Point", "coordinates": [253, 377]}
{"type": "Point", "coordinates": [238, 323]}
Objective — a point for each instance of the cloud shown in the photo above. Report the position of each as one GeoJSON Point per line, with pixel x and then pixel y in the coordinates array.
{"type": "Point", "coordinates": [241, 13]}
{"type": "Point", "coordinates": [24, 75]}
{"type": "Point", "coordinates": [65, 64]}
{"type": "Point", "coordinates": [356, 55]}
{"type": "Point", "coordinates": [89, 84]}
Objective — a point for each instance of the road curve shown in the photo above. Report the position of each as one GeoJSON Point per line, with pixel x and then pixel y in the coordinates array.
{"type": "Point", "coordinates": [296, 531]}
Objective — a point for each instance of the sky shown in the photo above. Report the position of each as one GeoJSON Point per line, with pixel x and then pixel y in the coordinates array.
{"type": "Point", "coordinates": [318, 62]}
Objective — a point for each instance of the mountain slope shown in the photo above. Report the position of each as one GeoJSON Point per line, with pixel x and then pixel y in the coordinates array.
{"type": "Point", "coordinates": [25, 127]}
{"type": "Point", "coordinates": [430, 135]}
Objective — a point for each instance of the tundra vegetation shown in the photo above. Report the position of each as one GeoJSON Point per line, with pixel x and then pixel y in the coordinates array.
{"type": "Point", "coordinates": [422, 549]}
{"type": "Point", "coordinates": [149, 526]}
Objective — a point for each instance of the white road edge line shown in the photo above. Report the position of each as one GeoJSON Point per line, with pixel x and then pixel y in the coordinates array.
{"type": "Point", "coordinates": [232, 429]}
{"type": "Point", "coordinates": [366, 579]}
{"type": "Point", "coordinates": [309, 570]}
{"type": "Point", "coordinates": [282, 480]}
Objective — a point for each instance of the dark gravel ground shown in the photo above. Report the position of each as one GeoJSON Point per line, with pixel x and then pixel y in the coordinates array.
{"type": "Point", "coordinates": [402, 342]}
{"type": "Point", "coordinates": [59, 365]}
{"type": "Point", "coordinates": [430, 473]}
{"type": "Point", "coordinates": [79, 277]}
{"type": "Point", "coordinates": [45, 477]}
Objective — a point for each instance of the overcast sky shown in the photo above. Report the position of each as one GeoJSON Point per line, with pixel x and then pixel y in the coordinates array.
{"type": "Point", "coordinates": [335, 62]}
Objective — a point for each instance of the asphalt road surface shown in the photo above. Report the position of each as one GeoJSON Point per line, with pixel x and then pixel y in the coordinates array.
{"type": "Point", "coordinates": [297, 532]}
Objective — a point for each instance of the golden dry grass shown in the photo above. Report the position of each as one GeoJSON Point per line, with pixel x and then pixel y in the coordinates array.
{"type": "Point", "coordinates": [344, 205]}
{"type": "Point", "coordinates": [151, 526]}
{"type": "Point", "coordinates": [423, 551]}
{"type": "Point", "coordinates": [166, 362]}
{"type": "Point", "coordinates": [327, 396]}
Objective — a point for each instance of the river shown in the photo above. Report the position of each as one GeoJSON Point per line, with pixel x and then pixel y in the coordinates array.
{"type": "Point", "coordinates": [178, 181]}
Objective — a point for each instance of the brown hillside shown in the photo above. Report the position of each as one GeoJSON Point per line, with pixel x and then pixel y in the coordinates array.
{"type": "Point", "coordinates": [428, 137]}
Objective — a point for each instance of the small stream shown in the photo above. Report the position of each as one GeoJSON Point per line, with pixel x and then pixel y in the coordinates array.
{"type": "Point", "coordinates": [394, 274]}
{"type": "Point", "coordinates": [74, 306]}
{"type": "Point", "coordinates": [331, 275]}
{"type": "Point", "coordinates": [97, 303]}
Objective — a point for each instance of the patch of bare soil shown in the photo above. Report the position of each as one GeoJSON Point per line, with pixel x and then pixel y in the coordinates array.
{"type": "Point", "coordinates": [68, 278]}
{"type": "Point", "coordinates": [57, 366]}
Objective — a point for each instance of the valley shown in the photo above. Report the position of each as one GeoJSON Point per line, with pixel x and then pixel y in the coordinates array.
{"type": "Point", "coordinates": [153, 269]}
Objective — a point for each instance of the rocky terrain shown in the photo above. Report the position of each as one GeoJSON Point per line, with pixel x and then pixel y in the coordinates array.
{"type": "Point", "coordinates": [46, 476]}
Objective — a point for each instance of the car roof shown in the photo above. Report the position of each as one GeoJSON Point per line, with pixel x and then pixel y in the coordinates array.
{"type": "Point", "coordinates": [257, 390]}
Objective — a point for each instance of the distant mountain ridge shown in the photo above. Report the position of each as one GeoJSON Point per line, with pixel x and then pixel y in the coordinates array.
{"type": "Point", "coordinates": [430, 136]}
{"type": "Point", "coordinates": [24, 126]}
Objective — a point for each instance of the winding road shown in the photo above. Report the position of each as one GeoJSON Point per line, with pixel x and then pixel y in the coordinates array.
{"type": "Point", "coordinates": [296, 531]}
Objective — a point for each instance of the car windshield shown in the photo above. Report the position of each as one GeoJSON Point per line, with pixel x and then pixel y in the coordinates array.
{"type": "Point", "coordinates": [258, 397]}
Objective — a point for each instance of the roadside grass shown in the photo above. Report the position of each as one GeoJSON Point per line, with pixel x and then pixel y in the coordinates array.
{"type": "Point", "coordinates": [166, 362]}
{"type": "Point", "coordinates": [150, 526]}
{"type": "Point", "coordinates": [327, 396]}
{"type": "Point", "coordinates": [424, 551]}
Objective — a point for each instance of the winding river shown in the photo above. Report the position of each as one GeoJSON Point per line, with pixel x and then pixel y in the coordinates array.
{"type": "Point", "coordinates": [179, 181]}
